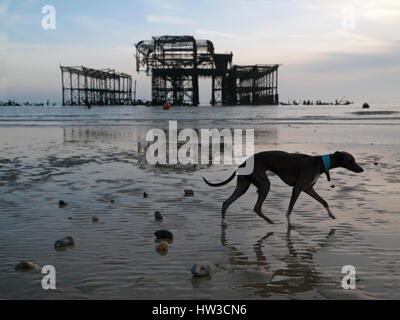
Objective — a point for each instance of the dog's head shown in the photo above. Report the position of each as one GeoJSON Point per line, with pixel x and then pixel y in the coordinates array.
{"type": "Point", "coordinates": [346, 160]}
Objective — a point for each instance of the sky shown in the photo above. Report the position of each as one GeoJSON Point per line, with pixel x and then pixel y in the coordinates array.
{"type": "Point", "coordinates": [327, 49]}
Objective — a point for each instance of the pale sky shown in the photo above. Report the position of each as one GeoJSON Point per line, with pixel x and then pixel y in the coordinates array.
{"type": "Point", "coordinates": [328, 49]}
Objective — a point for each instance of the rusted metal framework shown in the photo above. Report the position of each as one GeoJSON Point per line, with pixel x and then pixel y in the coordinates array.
{"type": "Point", "coordinates": [252, 85]}
{"type": "Point", "coordinates": [176, 63]}
{"type": "Point", "coordinates": [82, 86]}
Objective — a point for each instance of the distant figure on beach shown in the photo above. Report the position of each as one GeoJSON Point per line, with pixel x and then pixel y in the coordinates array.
{"type": "Point", "coordinates": [366, 106]}
{"type": "Point", "coordinates": [88, 105]}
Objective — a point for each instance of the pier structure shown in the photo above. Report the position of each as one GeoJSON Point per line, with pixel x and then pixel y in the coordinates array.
{"type": "Point", "coordinates": [176, 63]}
{"type": "Point", "coordinates": [252, 85]}
{"type": "Point", "coordinates": [82, 86]}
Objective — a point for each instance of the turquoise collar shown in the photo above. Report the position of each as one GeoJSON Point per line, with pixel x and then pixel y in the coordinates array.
{"type": "Point", "coordinates": [326, 159]}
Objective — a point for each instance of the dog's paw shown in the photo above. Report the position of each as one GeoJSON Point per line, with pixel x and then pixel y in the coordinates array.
{"type": "Point", "coordinates": [331, 214]}
{"type": "Point", "coordinates": [270, 221]}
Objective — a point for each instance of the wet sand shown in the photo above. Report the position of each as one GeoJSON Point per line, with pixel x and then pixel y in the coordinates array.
{"type": "Point", "coordinates": [88, 166]}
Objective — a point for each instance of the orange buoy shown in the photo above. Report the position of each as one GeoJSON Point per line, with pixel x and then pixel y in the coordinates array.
{"type": "Point", "coordinates": [167, 106]}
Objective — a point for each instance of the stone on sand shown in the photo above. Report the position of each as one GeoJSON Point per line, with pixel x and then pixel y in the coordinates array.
{"type": "Point", "coordinates": [163, 246]}
{"type": "Point", "coordinates": [25, 266]}
{"type": "Point", "coordinates": [158, 216]}
{"type": "Point", "coordinates": [62, 204]}
{"type": "Point", "coordinates": [201, 270]}
{"type": "Point", "coordinates": [164, 234]}
{"type": "Point", "coordinates": [64, 243]}
{"type": "Point", "coordinates": [189, 193]}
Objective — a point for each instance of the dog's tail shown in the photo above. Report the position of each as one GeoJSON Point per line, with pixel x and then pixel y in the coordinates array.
{"type": "Point", "coordinates": [221, 183]}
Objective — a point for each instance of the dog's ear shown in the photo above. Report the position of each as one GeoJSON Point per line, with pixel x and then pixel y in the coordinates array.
{"type": "Point", "coordinates": [338, 156]}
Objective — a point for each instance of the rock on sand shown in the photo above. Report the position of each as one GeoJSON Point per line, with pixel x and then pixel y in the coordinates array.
{"type": "Point", "coordinates": [164, 234]}
{"type": "Point", "coordinates": [163, 246]}
{"type": "Point", "coordinates": [158, 216]}
{"type": "Point", "coordinates": [64, 243]}
{"type": "Point", "coordinates": [189, 193]}
{"type": "Point", "coordinates": [25, 266]}
{"type": "Point", "coordinates": [201, 270]}
{"type": "Point", "coordinates": [62, 204]}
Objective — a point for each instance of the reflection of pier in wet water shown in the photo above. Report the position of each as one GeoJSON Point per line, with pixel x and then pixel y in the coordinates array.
{"type": "Point", "coordinates": [138, 133]}
{"type": "Point", "coordinates": [134, 139]}
{"type": "Point", "coordinates": [103, 134]}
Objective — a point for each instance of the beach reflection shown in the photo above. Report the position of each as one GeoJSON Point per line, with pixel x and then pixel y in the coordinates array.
{"type": "Point", "coordinates": [137, 133]}
{"type": "Point", "coordinates": [131, 142]}
{"type": "Point", "coordinates": [299, 273]}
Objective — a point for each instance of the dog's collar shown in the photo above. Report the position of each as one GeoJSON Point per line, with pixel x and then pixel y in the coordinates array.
{"type": "Point", "coordinates": [326, 159]}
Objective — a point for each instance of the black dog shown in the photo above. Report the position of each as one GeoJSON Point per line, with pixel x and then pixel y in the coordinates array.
{"type": "Point", "coordinates": [299, 171]}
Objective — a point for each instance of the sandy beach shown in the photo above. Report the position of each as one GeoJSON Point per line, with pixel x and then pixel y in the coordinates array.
{"type": "Point", "coordinates": [89, 158]}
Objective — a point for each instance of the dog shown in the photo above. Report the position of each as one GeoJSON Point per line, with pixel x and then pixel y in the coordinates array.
{"type": "Point", "coordinates": [299, 171]}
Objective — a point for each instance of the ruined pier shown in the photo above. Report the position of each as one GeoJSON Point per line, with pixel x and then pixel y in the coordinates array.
{"type": "Point", "coordinates": [176, 63]}
{"type": "Point", "coordinates": [87, 86]}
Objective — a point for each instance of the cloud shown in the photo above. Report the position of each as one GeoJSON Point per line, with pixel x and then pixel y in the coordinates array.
{"type": "Point", "coordinates": [95, 29]}
{"type": "Point", "coordinates": [3, 10]}
{"type": "Point", "coordinates": [212, 33]}
{"type": "Point", "coordinates": [8, 18]}
{"type": "Point", "coordinates": [152, 18]}
{"type": "Point", "coordinates": [343, 63]}
{"type": "Point", "coordinates": [94, 23]}
{"type": "Point", "coordinates": [33, 69]}
{"type": "Point", "coordinates": [301, 36]}
{"type": "Point", "coordinates": [161, 4]}
{"type": "Point", "coordinates": [385, 15]}
{"type": "Point", "coordinates": [382, 11]}
{"type": "Point", "coordinates": [358, 43]}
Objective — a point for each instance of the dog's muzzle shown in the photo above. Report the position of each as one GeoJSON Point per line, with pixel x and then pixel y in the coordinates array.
{"type": "Point", "coordinates": [357, 169]}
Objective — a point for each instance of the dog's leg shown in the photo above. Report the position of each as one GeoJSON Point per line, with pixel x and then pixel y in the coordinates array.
{"type": "Point", "coordinates": [263, 186]}
{"type": "Point", "coordinates": [312, 193]}
{"type": "Point", "coordinates": [295, 195]}
{"type": "Point", "coordinates": [242, 186]}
